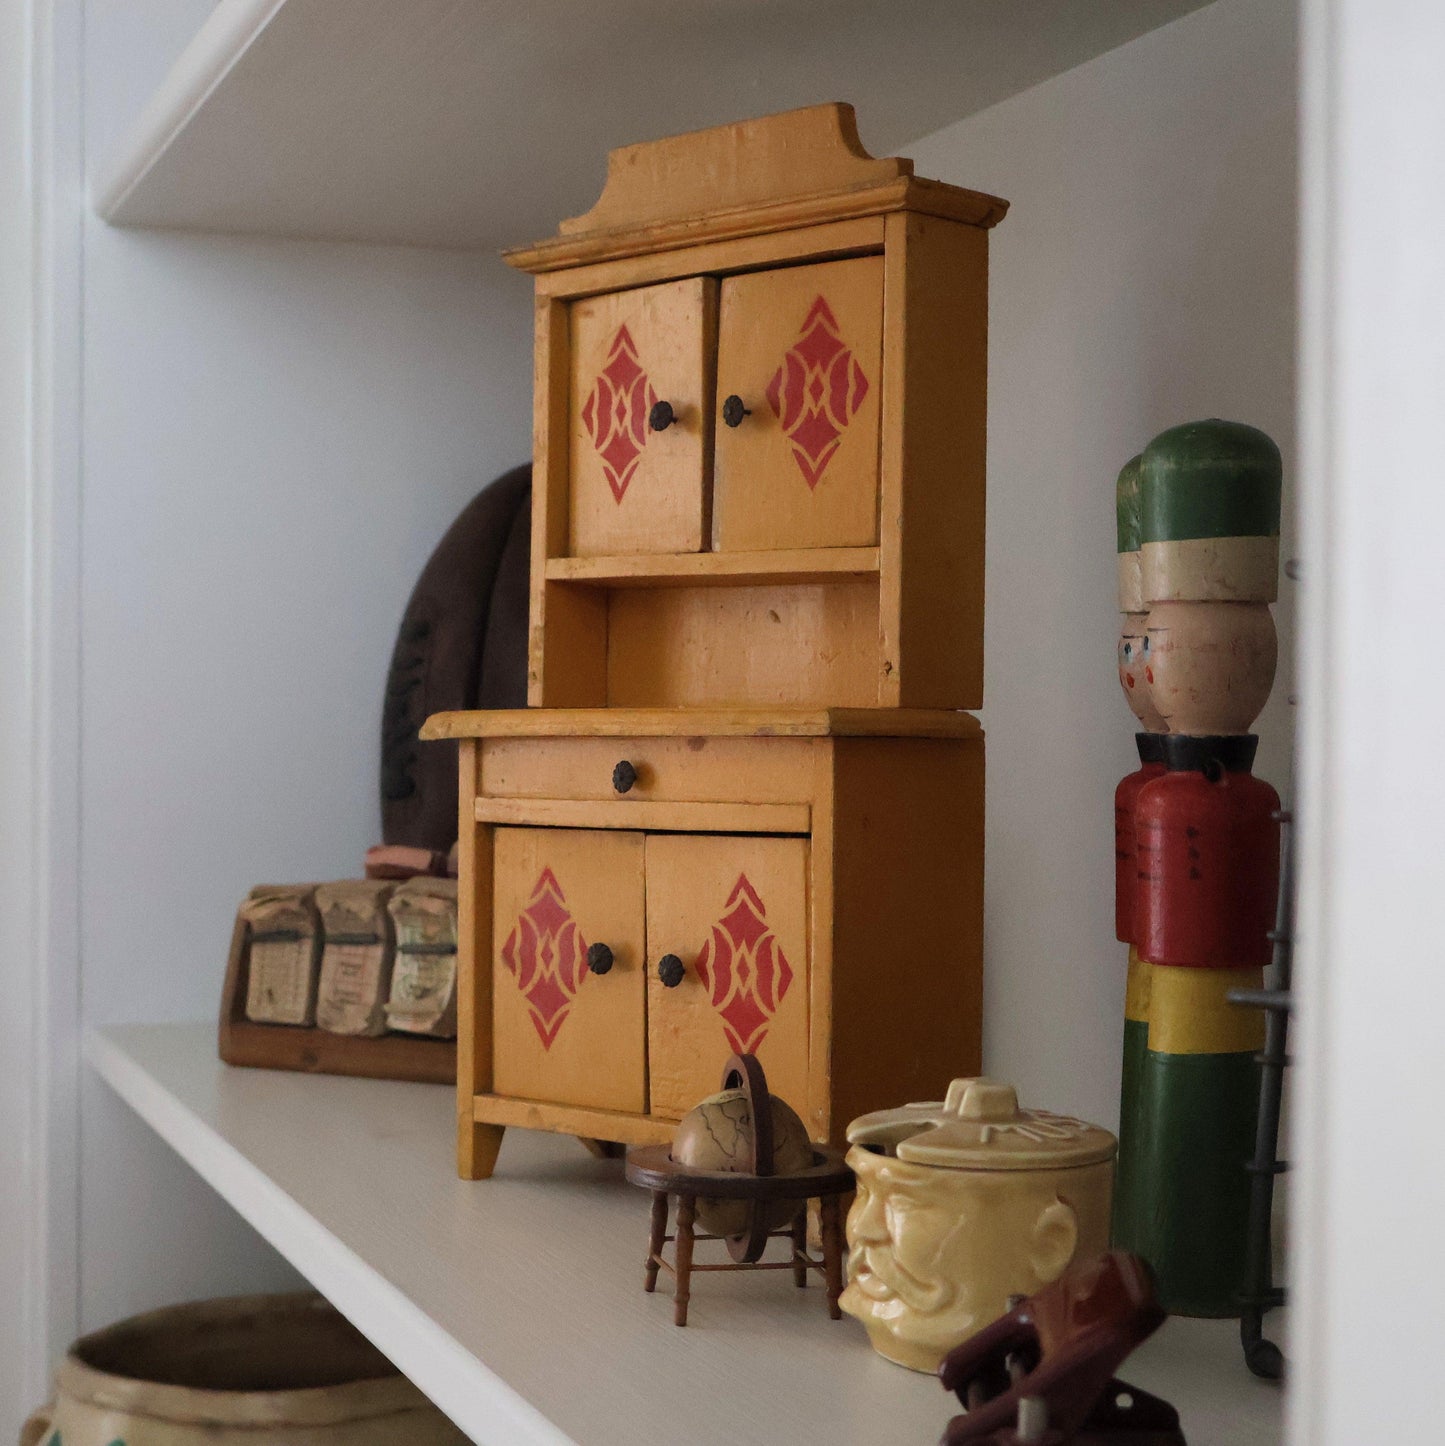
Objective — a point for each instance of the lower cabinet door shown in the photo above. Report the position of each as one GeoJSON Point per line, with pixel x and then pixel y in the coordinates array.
{"type": "Point", "coordinates": [734, 912]}
{"type": "Point", "coordinates": [564, 1031]}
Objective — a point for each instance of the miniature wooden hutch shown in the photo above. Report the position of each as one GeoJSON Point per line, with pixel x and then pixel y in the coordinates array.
{"type": "Point", "coordinates": [744, 811]}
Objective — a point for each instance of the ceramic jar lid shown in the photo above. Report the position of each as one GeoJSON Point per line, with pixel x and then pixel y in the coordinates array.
{"type": "Point", "coordinates": [981, 1127]}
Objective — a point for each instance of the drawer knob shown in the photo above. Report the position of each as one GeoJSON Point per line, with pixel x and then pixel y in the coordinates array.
{"type": "Point", "coordinates": [599, 958]}
{"type": "Point", "coordinates": [661, 417]}
{"type": "Point", "coordinates": [623, 776]}
{"type": "Point", "coordinates": [734, 411]}
{"type": "Point", "coordinates": [671, 971]}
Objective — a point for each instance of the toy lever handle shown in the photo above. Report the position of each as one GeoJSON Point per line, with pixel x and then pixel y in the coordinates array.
{"type": "Point", "coordinates": [1078, 1330]}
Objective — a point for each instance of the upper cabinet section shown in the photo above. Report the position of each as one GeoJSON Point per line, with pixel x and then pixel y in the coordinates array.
{"type": "Point", "coordinates": [760, 404]}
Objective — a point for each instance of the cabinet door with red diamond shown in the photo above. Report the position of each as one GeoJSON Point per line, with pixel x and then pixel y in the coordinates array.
{"type": "Point", "coordinates": [799, 382]}
{"type": "Point", "coordinates": [733, 912]}
{"type": "Point", "coordinates": [567, 967]}
{"type": "Point", "coordinates": [641, 429]}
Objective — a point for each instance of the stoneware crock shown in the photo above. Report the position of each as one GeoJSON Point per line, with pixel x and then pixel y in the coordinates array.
{"type": "Point", "coordinates": [284, 1370]}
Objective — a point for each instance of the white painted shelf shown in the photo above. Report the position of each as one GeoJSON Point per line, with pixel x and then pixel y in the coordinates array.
{"type": "Point", "coordinates": [516, 1303]}
{"type": "Point", "coordinates": [476, 123]}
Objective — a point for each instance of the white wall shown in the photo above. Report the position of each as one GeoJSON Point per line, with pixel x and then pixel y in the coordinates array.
{"type": "Point", "coordinates": [1144, 276]}
{"type": "Point", "coordinates": [39, 371]}
{"type": "Point", "coordinates": [1370, 1309]}
{"type": "Point", "coordinates": [275, 435]}
{"type": "Point", "coordinates": [16, 975]}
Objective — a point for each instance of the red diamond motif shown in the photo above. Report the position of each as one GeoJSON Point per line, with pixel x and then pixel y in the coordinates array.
{"type": "Point", "coordinates": [615, 412]}
{"type": "Point", "coordinates": [744, 969]}
{"type": "Point", "coordinates": [817, 391]}
{"type": "Point", "coordinates": [548, 957]}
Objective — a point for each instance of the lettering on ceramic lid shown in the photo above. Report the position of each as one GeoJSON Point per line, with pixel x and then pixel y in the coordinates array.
{"type": "Point", "coordinates": [1038, 1126]}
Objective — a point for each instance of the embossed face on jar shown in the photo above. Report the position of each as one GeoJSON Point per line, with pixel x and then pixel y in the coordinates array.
{"type": "Point", "coordinates": [898, 1232]}
{"type": "Point", "coordinates": [1135, 676]}
{"type": "Point", "coordinates": [934, 1253]}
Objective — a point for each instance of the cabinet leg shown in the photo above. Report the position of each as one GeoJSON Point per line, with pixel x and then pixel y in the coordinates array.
{"type": "Point", "coordinates": [477, 1147]}
{"type": "Point", "coordinates": [682, 1257]}
{"type": "Point", "coordinates": [800, 1248]}
{"type": "Point", "coordinates": [655, 1239]}
{"type": "Point", "coordinates": [832, 1221]}
{"type": "Point", "coordinates": [602, 1149]}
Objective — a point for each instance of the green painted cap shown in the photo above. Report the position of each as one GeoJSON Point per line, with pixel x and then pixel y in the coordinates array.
{"type": "Point", "coordinates": [1209, 479]}
{"type": "Point", "coordinates": [1126, 504]}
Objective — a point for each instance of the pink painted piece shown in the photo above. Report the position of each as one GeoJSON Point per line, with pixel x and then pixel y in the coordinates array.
{"type": "Point", "coordinates": [744, 969]}
{"type": "Point", "coordinates": [547, 955]}
{"type": "Point", "coordinates": [615, 412]}
{"type": "Point", "coordinates": [817, 391]}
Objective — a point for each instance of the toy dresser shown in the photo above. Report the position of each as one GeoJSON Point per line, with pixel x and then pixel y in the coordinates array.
{"type": "Point", "coordinates": [744, 811]}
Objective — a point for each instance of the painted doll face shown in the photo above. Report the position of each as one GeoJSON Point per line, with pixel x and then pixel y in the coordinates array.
{"type": "Point", "coordinates": [1212, 664]}
{"type": "Point", "coordinates": [934, 1254]}
{"type": "Point", "coordinates": [1135, 676]}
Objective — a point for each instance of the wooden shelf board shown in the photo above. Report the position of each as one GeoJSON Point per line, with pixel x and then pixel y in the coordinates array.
{"type": "Point", "coordinates": [717, 569]}
{"type": "Point", "coordinates": [516, 1303]}
{"type": "Point", "coordinates": [455, 124]}
{"type": "Point", "coordinates": [702, 723]}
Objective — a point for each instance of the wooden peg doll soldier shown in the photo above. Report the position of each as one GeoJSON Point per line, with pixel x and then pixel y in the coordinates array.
{"type": "Point", "coordinates": [1207, 850]}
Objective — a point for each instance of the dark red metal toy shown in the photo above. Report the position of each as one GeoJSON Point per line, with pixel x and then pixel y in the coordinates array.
{"type": "Point", "coordinates": [1044, 1373]}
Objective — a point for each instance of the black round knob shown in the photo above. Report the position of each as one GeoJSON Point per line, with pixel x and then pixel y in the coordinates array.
{"type": "Point", "coordinates": [734, 411]}
{"type": "Point", "coordinates": [623, 776]}
{"type": "Point", "coordinates": [671, 970]}
{"type": "Point", "coordinates": [599, 958]}
{"type": "Point", "coordinates": [661, 417]}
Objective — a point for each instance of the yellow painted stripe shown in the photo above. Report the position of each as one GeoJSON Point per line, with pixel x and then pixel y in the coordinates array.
{"type": "Point", "coordinates": [1136, 992]}
{"type": "Point", "coordinates": [1189, 1014]}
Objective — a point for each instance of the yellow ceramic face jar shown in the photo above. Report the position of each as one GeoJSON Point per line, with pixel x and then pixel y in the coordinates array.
{"type": "Point", "coordinates": [963, 1204]}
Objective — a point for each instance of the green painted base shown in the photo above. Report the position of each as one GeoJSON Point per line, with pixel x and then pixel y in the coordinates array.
{"type": "Point", "coordinates": [1128, 1175]}
{"type": "Point", "coordinates": [1187, 1210]}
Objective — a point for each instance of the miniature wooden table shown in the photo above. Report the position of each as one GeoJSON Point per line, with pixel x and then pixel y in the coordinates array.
{"type": "Point", "coordinates": [827, 1180]}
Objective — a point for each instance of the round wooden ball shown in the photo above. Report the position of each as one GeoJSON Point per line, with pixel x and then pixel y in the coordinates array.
{"type": "Point", "coordinates": [1211, 664]}
{"type": "Point", "coordinates": [718, 1135]}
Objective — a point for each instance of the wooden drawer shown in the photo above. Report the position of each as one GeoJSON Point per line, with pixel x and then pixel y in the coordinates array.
{"type": "Point", "coordinates": [700, 770]}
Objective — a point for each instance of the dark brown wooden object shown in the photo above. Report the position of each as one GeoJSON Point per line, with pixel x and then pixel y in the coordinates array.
{"type": "Point", "coordinates": [826, 1180]}
{"type": "Point", "coordinates": [317, 1051]}
{"type": "Point", "coordinates": [1044, 1373]}
{"type": "Point", "coordinates": [462, 643]}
